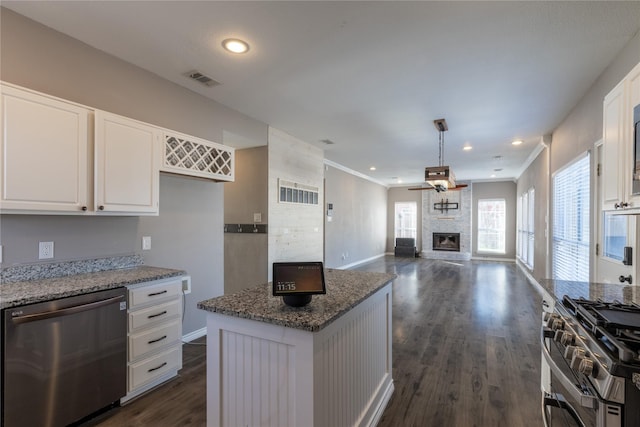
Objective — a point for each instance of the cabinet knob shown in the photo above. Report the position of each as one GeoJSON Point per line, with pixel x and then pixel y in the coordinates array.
{"type": "Point", "coordinates": [621, 205]}
{"type": "Point", "coordinates": [623, 279]}
{"type": "Point", "coordinates": [84, 208]}
{"type": "Point", "coordinates": [101, 208]}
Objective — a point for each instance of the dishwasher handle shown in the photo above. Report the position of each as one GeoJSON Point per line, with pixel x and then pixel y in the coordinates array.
{"type": "Point", "coordinates": [65, 311]}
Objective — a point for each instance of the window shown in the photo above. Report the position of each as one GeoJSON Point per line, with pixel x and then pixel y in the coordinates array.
{"type": "Point", "coordinates": [571, 222]}
{"type": "Point", "coordinates": [530, 228]}
{"type": "Point", "coordinates": [491, 225]}
{"type": "Point", "coordinates": [526, 222]}
{"type": "Point", "coordinates": [406, 219]}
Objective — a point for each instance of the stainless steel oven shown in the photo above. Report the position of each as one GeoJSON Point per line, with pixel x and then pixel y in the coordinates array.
{"type": "Point", "coordinates": [590, 378]}
{"type": "Point", "coordinates": [63, 359]}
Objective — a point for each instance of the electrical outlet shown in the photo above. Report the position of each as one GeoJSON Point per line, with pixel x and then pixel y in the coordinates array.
{"type": "Point", "coordinates": [186, 284]}
{"type": "Point", "coordinates": [45, 250]}
{"type": "Point", "coordinates": [146, 243]}
{"type": "Point", "coordinates": [257, 217]}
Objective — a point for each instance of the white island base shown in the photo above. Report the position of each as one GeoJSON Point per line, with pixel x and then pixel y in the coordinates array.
{"type": "Point", "coordinates": [262, 374]}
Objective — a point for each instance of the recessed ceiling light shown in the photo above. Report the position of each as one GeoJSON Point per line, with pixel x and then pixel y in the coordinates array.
{"type": "Point", "coordinates": [372, 168]}
{"type": "Point", "coordinates": [467, 148]}
{"type": "Point", "coordinates": [493, 175]}
{"type": "Point", "coordinates": [399, 181]}
{"type": "Point", "coordinates": [517, 142]}
{"type": "Point", "coordinates": [235, 45]}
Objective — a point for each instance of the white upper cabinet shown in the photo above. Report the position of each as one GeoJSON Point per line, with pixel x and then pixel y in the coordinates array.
{"type": "Point", "coordinates": [44, 153]}
{"type": "Point", "coordinates": [619, 153]}
{"type": "Point", "coordinates": [58, 157]}
{"type": "Point", "coordinates": [188, 155]}
{"type": "Point", "coordinates": [51, 162]}
{"type": "Point", "coordinates": [613, 176]}
{"type": "Point", "coordinates": [126, 165]}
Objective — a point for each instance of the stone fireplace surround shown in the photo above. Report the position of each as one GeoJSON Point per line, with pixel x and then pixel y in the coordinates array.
{"type": "Point", "coordinates": [451, 221]}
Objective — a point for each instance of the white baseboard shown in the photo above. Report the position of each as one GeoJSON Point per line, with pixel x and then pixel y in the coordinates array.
{"type": "Point", "coordinates": [382, 405]}
{"type": "Point", "coordinates": [537, 286]}
{"type": "Point", "coordinates": [194, 335]}
{"type": "Point", "coordinates": [354, 264]}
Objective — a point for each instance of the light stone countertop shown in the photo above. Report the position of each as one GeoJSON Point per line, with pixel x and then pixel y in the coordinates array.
{"type": "Point", "coordinates": [627, 294]}
{"type": "Point", "coordinates": [345, 289]}
{"type": "Point", "coordinates": [32, 291]}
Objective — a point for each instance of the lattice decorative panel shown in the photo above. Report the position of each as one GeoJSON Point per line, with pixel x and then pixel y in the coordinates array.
{"type": "Point", "coordinates": [193, 156]}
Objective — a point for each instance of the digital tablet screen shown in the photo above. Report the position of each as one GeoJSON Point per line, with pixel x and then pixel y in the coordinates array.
{"type": "Point", "coordinates": [298, 278]}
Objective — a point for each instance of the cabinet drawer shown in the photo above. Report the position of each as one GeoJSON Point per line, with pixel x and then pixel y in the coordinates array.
{"type": "Point", "coordinates": [153, 315]}
{"type": "Point", "coordinates": [153, 339]}
{"type": "Point", "coordinates": [150, 294]}
{"type": "Point", "coordinates": [149, 369]}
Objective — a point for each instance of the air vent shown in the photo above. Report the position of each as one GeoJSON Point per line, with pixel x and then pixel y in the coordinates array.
{"type": "Point", "coordinates": [327, 141]}
{"type": "Point", "coordinates": [201, 78]}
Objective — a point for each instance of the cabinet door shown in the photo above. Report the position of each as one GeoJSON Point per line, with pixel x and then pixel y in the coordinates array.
{"type": "Point", "coordinates": [43, 158]}
{"type": "Point", "coordinates": [614, 148]}
{"type": "Point", "coordinates": [126, 165]}
{"type": "Point", "coordinates": [633, 99]}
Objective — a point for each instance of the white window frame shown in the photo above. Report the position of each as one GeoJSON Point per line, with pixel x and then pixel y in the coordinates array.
{"type": "Point", "coordinates": [413, 229]}
{"type": "Point", "coordinates": [500, 222]}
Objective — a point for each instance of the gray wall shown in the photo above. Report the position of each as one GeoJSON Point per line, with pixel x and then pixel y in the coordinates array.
{"type": "Point", "coordinates": [495, 190]}
{"type": "Point", "coordinates": [575, 134]}
{"type": "Point", "coordinates": [188, 232]}
{"type": "Point", "coordinates": [402, 194]}
{"type": "Point", "coordinates": [358, 228]}
{"type": "Point", "coordinates": [537, 176]}
{"type": "Point", "coordinates": [246, 255]}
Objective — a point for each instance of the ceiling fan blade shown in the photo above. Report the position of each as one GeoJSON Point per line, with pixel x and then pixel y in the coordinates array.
{"type": "Point", "coordinates": [421, 188]}
{"type": "Point", "coordinates": [458, 187]}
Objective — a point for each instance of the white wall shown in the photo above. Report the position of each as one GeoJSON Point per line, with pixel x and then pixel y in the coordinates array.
{"type": "Point", "coordinates": [295, 230]}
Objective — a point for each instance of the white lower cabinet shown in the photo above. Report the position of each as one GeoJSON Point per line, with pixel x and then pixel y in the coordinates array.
{"type": "Point", "coordinates": [154, 349]}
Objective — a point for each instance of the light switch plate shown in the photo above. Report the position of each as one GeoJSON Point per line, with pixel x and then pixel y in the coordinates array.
{"type": "Point", "coordinates": [146, 243]}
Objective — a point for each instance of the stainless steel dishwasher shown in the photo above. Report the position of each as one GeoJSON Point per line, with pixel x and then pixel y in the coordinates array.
{"type": "Point", "coordinates": [64, 359]}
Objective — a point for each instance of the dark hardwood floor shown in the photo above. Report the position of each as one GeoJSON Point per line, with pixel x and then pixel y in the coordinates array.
{"type": "Point", "coordinates": [465, 353]}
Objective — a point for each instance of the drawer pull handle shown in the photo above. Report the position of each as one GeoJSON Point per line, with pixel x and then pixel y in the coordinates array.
{"type": "Point", "coordinates": [151, 316]}
{"type": "Point", "coordinates": [157, 339]}
{"type": "Point", "coordinates": [157, 293]}
{"type": "Point", "coordinates": [157, 367]}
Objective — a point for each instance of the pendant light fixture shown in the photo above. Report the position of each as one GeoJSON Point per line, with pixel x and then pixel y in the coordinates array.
{"type": "Point", "coordinates": [440, 177]}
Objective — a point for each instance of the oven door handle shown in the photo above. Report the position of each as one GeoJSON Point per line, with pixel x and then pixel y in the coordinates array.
{"type": "Point", "coordinates": [558, 402]}
{"type": "Point", "coordinates": [585, 400]}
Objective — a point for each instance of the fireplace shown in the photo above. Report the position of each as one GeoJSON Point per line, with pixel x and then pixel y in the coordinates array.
{"type": "Point", "coordinates": [446, 242]}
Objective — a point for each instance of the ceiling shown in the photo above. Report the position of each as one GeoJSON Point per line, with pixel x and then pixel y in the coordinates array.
{"type": "Point", "coordinates": [372, 76]}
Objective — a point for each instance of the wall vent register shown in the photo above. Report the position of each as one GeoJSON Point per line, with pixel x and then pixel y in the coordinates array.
{"type": "Point", "coordinates": [293, 192]}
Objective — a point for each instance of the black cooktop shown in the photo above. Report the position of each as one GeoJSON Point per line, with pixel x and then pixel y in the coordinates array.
{"type": "Point", "coordinates": [614, 324]}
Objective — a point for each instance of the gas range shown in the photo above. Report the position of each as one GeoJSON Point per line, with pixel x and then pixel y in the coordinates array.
{"type": "Point", "coordinates": [592, 350]}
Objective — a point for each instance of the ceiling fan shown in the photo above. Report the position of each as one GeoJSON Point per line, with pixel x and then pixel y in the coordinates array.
{"type": "Point", "coordinates": [440, 178]}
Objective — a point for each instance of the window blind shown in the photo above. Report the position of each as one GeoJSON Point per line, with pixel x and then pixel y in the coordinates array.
{"type": "Point", "coordinates": [571, 198]}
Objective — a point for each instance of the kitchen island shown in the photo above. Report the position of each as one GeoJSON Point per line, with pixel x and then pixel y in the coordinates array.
{"type": "Point", "coordinates": [324, 364]}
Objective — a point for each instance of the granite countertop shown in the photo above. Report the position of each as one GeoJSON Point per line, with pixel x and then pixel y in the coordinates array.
{"type": "Point", "coordinates": [627, 294]}
{"type": "Point", "coordinates": [32, 291]}
{"type": "Point", "coordinates": [345, 289]}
